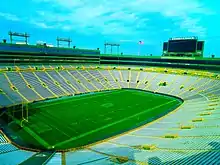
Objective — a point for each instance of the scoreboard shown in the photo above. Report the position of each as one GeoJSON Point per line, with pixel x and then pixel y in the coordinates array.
{"type": "Point", "coordinates": [184, 47]}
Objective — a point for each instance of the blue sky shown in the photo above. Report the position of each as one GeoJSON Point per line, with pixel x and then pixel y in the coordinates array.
{"type": "Point", "coordinates": [91, 22]}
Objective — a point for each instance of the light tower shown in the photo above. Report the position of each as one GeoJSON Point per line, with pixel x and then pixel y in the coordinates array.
{"type": "Point", "coordinates": [25, 36]}
{"type": "Point", "coordinates": [111, 44]}
{"type": "Point", "coordinates": [68, 40]}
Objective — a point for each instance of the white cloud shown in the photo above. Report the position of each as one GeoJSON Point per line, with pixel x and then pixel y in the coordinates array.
{"type": "Point", "coordinates": [41, 24]}
{"type": "Point", "coordinates": [9, 16]}
{"type": "Point", "coordinates": [166, 30]}
{"type": "Point", "coordinates": [120, 17]}
{"type": "Point", "coordinates": [128, 41]}
{"type": "Point", "coordinates": [192, 25]}
{"type": "Point", "coordinates": [135, 41]}
{"type": "Point", "coordinates": [181, 12]}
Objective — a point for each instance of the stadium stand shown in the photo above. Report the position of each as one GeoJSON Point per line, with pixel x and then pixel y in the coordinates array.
{"type": "Point", "coordinates": [89, 156]}
{"type": "Point", "coordinates": [192, 130]}
{"type": "Point", "coordinates": [15, 157]}
{"type": "Point", "coordinates": [7, 148]}
{"type": "Point", "coordinates": [55, 160]}
{"type": "Point", "coordinates": [31, 79]}
{"type": "Point", "coordinates": [2, 139]}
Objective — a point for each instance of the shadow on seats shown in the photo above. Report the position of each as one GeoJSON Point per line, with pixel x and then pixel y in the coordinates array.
{"type": "Point", "coordinates": [211, 157]}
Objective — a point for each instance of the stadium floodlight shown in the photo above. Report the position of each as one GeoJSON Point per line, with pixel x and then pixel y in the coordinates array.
{"type": "Point", "coordinates": [18, 34]}
{"type": "Point", "coordinates": [21, 35]}
{"type": "Point", "coordinates": [111, 44]}
{"type": "Point", "coordinates": [64, 39]}
{"type": "Point", "coordinates": [68, 40]}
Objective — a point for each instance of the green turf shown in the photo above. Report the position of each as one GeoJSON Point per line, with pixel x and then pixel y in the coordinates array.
{"type": "Point", "coordinates": [80, 120]}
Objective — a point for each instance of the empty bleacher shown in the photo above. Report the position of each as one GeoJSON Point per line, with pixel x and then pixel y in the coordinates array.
{"type": "Point", "coordinates": [2, 139]}
{"type": "Point", "coordinates": [200, 141]}
{"type": "Point", "coordinates": [6, 147]}
{"type": "Point", "coordinates": [14, 157]}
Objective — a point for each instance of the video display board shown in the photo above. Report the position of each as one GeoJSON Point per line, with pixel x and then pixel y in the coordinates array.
{"type": "Point", "coordinates": [200, 45]}
{"type": "Point", "coordinates": [165, 46]}
{"type": "Point", "coordinates": [182, 45]}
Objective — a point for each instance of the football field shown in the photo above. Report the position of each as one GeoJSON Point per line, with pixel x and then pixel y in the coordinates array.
{"type": "Point", "coordinates": [84, 119]}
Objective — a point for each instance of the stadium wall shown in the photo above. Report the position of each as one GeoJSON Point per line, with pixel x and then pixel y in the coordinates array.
{"type": "Point", "coordinates": [204, 64]}
{"type": "Point", "coordinates": [43, 50]}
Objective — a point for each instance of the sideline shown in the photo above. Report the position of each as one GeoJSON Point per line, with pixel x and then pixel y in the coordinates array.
{"type": "Point", "coordinates": [32, 133]}
{"type": "Point", "coordinates": [76, 98]}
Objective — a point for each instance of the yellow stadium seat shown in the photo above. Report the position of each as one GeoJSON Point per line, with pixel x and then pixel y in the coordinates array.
{"type": "Point", "coordinates": [171, 136]}
{"type": "Point", "coordinates": [197, 120]}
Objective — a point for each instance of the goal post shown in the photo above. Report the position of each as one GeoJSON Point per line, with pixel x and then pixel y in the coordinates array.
{"type": "Point", "coordinates": [24, 113]}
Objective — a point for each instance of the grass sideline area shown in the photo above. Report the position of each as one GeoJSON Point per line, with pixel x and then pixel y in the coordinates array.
{"type": "Point", "coordinates": [84, 119]}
